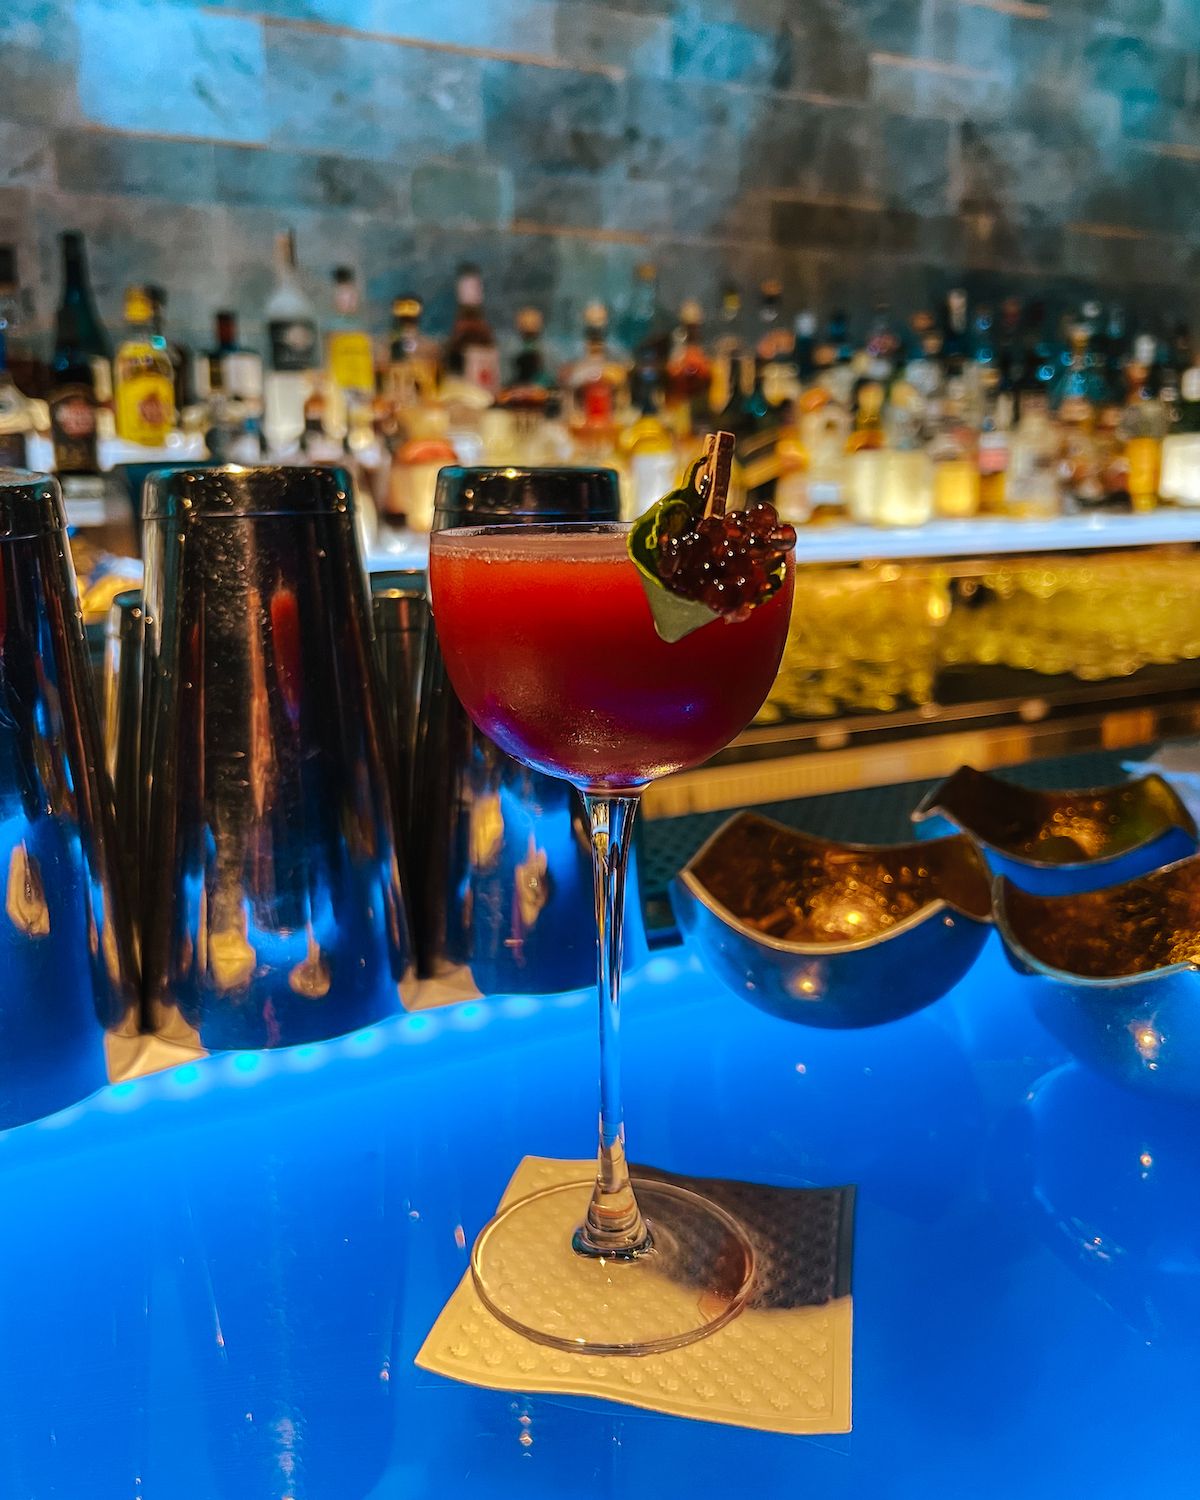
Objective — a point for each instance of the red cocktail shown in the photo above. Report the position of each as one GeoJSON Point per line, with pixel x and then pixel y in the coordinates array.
{"type": "Point", "coordinates": [550, 644]}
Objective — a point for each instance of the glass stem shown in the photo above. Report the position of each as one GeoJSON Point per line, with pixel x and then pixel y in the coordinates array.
{"type": "Point", "coordinates": [614, 1225]}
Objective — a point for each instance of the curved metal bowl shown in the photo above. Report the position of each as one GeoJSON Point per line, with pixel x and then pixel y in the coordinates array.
{"type": "Point", "coordinates": [1056, 843]}
{"type": "Point", "coordinates": [829, 934]}
{"type": "Point", "coordinates": [1116, 974]}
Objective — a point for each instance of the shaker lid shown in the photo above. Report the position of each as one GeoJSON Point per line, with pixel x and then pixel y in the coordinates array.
{"type": "Point", "coordinates": [231, 490]}
{"type": "Point", "coordinates": [480, 497]}
{"type": "Point", "coordinates": [30, 504]}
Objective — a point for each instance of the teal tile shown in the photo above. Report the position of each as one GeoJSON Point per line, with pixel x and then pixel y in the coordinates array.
{"type": "Point", "coordinates": [445, 193]}
{"type": "Point", "coordinates": [26, 156]}
{"type": "Point", "coordinates": [590, 35]}
{"type": "Point", "coordinates": [37, 62]}
{"type": "Point", "coordinates": [552, 119]}
{"type": "Point", "coordinates": [367, 97]}
{"type": "Point", "coordinates": [247, 174]}
{"type": "Point", "coordinates": [96, 162]}
{"type": "Point", "coordinates": [162, 67]}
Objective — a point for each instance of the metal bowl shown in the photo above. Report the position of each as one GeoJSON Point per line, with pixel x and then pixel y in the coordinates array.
{"type": "Point", "coordinates": [829, 934]}
{"type": "Point", "coordinates": [1117, 974]}
{"type": "Point", "coordinates": [1056, 843]}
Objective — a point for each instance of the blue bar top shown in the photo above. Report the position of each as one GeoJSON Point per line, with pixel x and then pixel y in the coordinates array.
{"type": "Point", "coordinates": [215, 1279]}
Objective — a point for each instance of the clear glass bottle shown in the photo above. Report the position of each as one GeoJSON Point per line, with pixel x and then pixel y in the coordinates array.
{"type": "Point", "coordinates": [349, 354]}
{"type": "Point", "coordinates": [294, 355]}
{"type": "Point", "coordinates": [1180, 477]}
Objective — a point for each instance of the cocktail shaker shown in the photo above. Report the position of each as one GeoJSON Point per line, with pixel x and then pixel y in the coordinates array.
{"type": "Point", "coordinates": [503, 894]}
{"type": "Point", "coordinates": [121, 722]}
{"type": "Point", "coordinates": [272, 903]}
{"type": "Point", "coordinates": [401, 608]}
{"type": "Point", "coordinates": [68, 974]}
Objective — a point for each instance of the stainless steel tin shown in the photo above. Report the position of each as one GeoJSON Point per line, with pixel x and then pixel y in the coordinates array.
{"type": "Point", "coordinates": [122, 723]}
{"type": "Point", "coordinates": [68, 975]}
{"type": "Point", "coordinates": [503, 881]}
{"type": "Point", "coordinates": [272, 905]}
{"type": "Point", "coordinates": [401, 608]}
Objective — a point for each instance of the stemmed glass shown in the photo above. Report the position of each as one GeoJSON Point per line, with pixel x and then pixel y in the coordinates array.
{"type": "Point", "coordinates": [550, 644]}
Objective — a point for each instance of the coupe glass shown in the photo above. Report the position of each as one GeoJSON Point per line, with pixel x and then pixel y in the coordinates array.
{"type": "Point", "coordinates": [549, 642]}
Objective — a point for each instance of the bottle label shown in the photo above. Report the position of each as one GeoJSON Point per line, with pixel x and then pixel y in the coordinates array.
{"type": "Point", "coordinates": [352, 362]}
{"type": "Point", "coordinates": [145, 403]}
{"type": "Point", "coordinates": [1189, 387]}
{"type": "Point", "coordinates": [241, 376]}
{"type": "Point", "coordinates": [993, 453]}
{"type": "Point", "coordinates": [293, 344]}
{"type": "Point", "coordinates": [73, 429]}
{"type": "Point", "coordinates": [481, 365]}
{"type": "Point", "coordinates": [13, 450]}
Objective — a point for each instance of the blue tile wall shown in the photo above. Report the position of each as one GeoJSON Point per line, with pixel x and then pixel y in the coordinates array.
{"type": "Point", "coordinates": [856, 149]}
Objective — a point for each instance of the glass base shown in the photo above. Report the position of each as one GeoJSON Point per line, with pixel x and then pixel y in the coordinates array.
{"type": "Point", "coordinates": [695, 1277]}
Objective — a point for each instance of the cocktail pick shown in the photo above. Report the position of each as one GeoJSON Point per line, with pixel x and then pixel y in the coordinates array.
{"type": "Point", "coordinates": [699, 563]}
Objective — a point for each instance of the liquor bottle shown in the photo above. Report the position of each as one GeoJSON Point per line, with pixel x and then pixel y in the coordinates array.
{"type": "Point", "coordinates": [228, 369]}
{"type": "Point", "coordinates": [143, 379]}
{"type": "Point", "coordinates": [294, 350]}
{"type": "Point", "coordinates": [1142, 427]}
{"type": "Point", "coordinates": [1180, 477]}
{"type": "Point", "coordinates": [595, 380]}
{"type": "Point", "coordinates": [412, 369]}
{"type": "Point", "coordinates": [470, 353]}
{"type": "Point", "coordinates": [176, 353]}
{"type": "Point", "coordinates": [80, 372]}
{"type": "Point", "coordinates": [689, 370]}
{"type": "Point", "coordinates": [804, 345]}
{"type": "Point", "coordinates": [955, 343]}
{"type": "Point", "coordinates": [726, 347]}
{"type": "Point", "coordinates": [1032, 486]}
{"type": "Point", "coordinates": [16, 424]}
{"type": "Point", "coordinates": [318, 442]}
{"type": "Point", "coordinates": [349, 356]}
{"type": "Point", "coordinates": [994, 449]}
{"type": "Point", "coordinates": [868, 418]}
{"type": "Point", "coordinates": [956, 480]}
{"type": "Point", "coordinates": [650, 449]}
{"type": "Point", "coordinates": [646, 326]}
{"type": "Point", "coordinates": [1080, 387]}
{"type": "Point", "coordinates": [769, 334]}
{"type": "Point", "coordinates": [513, 427]}
{"type": "Point", "coordinates": [529, 372]}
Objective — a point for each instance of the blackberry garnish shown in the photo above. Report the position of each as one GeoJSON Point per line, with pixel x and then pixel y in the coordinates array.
{"type": "Point", "coordinates": [701, 562]}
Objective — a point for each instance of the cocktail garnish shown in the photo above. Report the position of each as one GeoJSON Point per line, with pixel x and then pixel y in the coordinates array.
{"type": "Point", "coordinates": [699, 562]}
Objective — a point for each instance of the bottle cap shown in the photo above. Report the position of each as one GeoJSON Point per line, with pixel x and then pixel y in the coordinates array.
{"type": "Point", "coordinates": [595, 315]}
{"type": "Point", "coordinates": [407, 306]}
{"type": "Point", "coordinates": [529, 322]}
{"type": "Point", "coordinates": [138, 308]}
{"type": "Point", "coordinates": [691, 312]}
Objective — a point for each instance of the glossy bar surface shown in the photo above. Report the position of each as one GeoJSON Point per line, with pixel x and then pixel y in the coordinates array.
{"type": "Point", "coordinates": [270, 1236]}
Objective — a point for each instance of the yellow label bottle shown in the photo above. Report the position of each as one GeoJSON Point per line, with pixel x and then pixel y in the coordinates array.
{"type": "Point", "coordinates": [351, 361]}
{"type": "Point", "coordinates": [144, 388]}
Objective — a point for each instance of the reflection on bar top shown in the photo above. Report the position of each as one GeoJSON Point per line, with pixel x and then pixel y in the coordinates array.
{"type": "Point", "coordinates": [982, 536]}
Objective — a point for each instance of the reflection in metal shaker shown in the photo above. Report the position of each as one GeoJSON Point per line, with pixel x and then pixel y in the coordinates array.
{"type": "Point", "coordinates": [68, 974]}
{"type": "Point", "coordinates": [401, 608]}
{"type": "Point", "coordinates": [272, 905]}
{"type": "Point", "coordinates": [122, 725]}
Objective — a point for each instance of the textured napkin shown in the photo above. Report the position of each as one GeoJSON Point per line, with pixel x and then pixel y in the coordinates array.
{"type": "Point", "coordinates": [782, 1365]}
